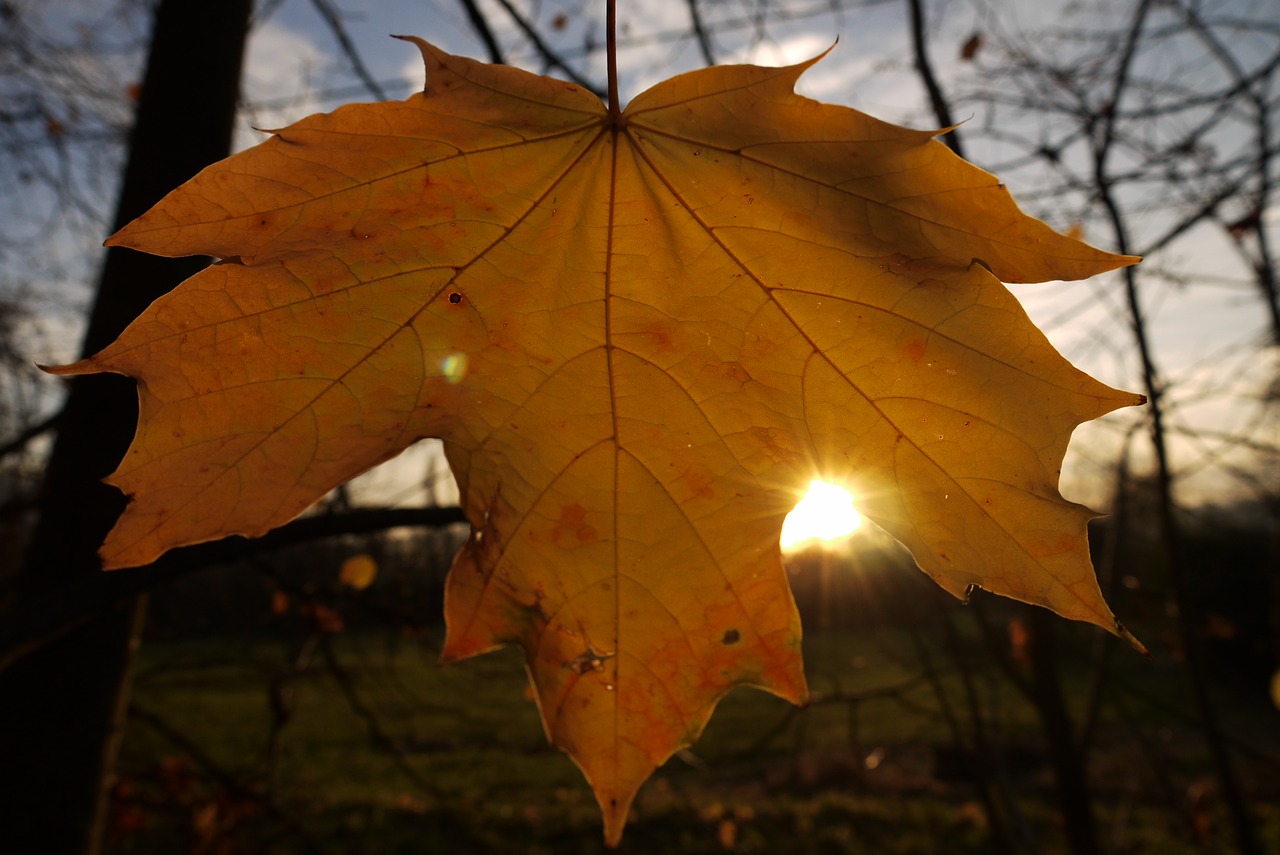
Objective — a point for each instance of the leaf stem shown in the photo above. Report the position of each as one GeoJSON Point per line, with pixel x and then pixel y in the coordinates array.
{"type": "Point", "coordinates": [611, 53]}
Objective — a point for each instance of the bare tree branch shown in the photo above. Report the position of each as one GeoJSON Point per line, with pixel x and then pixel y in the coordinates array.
{"type": "Point", "coordinates": [1105, 128]}
{"type": "Point", "coordinates": [548, 54]}
{"type": "Point", "coordinates": [21, 441]}
{"type": "Point", "coordinates": [51, 615]}
{"type": "Point", "coordinates": [481, 25]}
{"type": "Point", "coordinates": [700, 33]}
{"type": "Point", "coordinates": [938, 101]}
{"type": "Point", "coordinates": [224, 778]}
{"type": "Point", "coordinates": [331, 17]}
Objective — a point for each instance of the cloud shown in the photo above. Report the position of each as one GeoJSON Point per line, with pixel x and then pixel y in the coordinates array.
{"type": "Point", "coordinates": [279, 85]}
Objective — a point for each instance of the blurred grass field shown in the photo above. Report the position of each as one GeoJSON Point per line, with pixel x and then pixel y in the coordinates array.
{"type": "Point", "coordinates": [359, 742]}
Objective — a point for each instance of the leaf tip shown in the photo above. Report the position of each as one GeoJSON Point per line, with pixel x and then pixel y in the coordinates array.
{"type": "Point", "coordinates": [1131, 640]}
{"type": "Point", "coordinates": [110, 566]}
{"type": "Point", "coordinates": [613, 831]}
{"type": "Point", "coordinates": [428, 51]}
{"type": "Point", "coordinates": [615, 812]}
{"type": "Point", "coordinates": [802, 67]}
{"type": "Point", "coordinates": [84, 366]}
{"type": "Point", "coordinates": [448, 657]}
{"type": "Point", "coordinates": [125, 235]}
{"type": "Point", "coordinates": [114, 558]}
{"type": "Point", "coordinates": [1113, 261]}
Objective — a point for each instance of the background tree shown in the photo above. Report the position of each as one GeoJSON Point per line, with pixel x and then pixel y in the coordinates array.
{"type": "Point", "coordinates": [1147, 128]}
{"type": "Point", "coordinates": [61, 740]}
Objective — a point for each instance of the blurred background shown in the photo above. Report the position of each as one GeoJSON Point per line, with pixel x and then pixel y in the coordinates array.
{"type": "Point", "coordinates": [283, 695]}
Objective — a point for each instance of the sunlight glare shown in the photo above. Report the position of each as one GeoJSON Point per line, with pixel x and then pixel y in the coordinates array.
{"type": "Point", "coordinates": [825, 513]}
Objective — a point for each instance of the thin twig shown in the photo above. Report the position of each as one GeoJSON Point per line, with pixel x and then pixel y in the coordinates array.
{"type": "Point", "coordinates": [989, 785]}
{"type": "Point", "coordinates": [47, 616]}
{"type": "Point", "coordinates": [548, 54]}
{"type": "Point", "coordinates": [224, 778]}
{"type": "Point", "coordinates": [339, 30]}
{"type": "Point", "coordinates": [1242, 822]}
{"type": "Point", "coordinates": [20, 441]}
{"type": "Point", "coordinates": [1264, 266]}
{"type": "Point", "coordinates": [372, 723]}
{"type": "Point", "coordinates": [700, 33]}
{"type": "Point", "coordinates": [938, 101]}
{"type": "Point", "coordinates": [480, 24]}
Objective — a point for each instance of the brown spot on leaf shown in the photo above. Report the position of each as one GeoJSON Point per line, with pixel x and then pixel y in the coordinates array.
{"type": "Point", "coordinates": [914, 350]}
{"type": "Point", "coordinates": [735, 371]}
{"type": "Point", "coordinates": [700, 481]}
{"type": "Point", "coordinates": [572, 527]}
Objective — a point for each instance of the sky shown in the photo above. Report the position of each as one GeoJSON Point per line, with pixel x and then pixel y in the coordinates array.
{"type": "Point", "coordinates": [1205, 323]}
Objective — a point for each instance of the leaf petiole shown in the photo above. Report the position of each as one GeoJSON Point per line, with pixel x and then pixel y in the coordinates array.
{"type": "Point", "coordinates": [611, 54]}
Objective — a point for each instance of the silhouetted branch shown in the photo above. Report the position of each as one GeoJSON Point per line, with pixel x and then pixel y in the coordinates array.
{"type": "Point", "coordinates": [480, 24]}
{"type": "Point", "coordinates": [20, 441]}
{"type": "Point", "coordinates": [331, 17]}
{"type": "Point", "coordinates": [937, 100]}
{"type": "Point", "coordinates": [223, 777]}
{"type": "Point", "coordinates": [1105, 127]}
{"type": "Point", "coordinates": [373, 725]}
{"type": "Point", "coordinates": [48, 616]}
{"type": "Point", "coordinates": [548, 54]}
{"type": "Point", "coordinates": [700, 33]}
{"type": "Point", "coordinates": [1264, 112]}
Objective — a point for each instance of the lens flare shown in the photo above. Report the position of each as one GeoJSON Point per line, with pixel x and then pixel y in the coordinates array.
{"type": "Point", "coordinates": [454, 367]}
{"type": "Point", "coordinates": [826, 513]}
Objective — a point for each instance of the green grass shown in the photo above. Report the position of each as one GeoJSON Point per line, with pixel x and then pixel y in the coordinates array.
{"type": "Point", "coordinates": [453, 759]}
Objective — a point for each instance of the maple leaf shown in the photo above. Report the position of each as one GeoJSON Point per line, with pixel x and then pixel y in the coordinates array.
{"type": "Point", "coordinates": [640, 337]}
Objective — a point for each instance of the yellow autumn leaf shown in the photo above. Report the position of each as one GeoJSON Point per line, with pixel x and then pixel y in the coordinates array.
{"type": "Point", "coordinates": [640, 337]}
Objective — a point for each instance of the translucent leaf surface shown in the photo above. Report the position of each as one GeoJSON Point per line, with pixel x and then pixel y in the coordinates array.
{"type": "Point", "coordinates": [640, 340]}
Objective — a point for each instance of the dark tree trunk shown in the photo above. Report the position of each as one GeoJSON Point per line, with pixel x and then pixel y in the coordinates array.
{"type": "Point", "coordinates": [62, 704]}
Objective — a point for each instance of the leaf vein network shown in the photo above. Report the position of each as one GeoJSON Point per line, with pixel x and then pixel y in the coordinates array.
{"type": "Point", "coordinates": [838, 188]}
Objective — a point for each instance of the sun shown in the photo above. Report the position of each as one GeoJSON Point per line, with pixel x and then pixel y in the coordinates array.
{"type": "Point", "coordinates": [826, 513]}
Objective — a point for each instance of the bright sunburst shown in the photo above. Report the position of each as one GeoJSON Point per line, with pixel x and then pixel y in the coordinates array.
{"type": "Point", "coordinates": [825, 513]}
